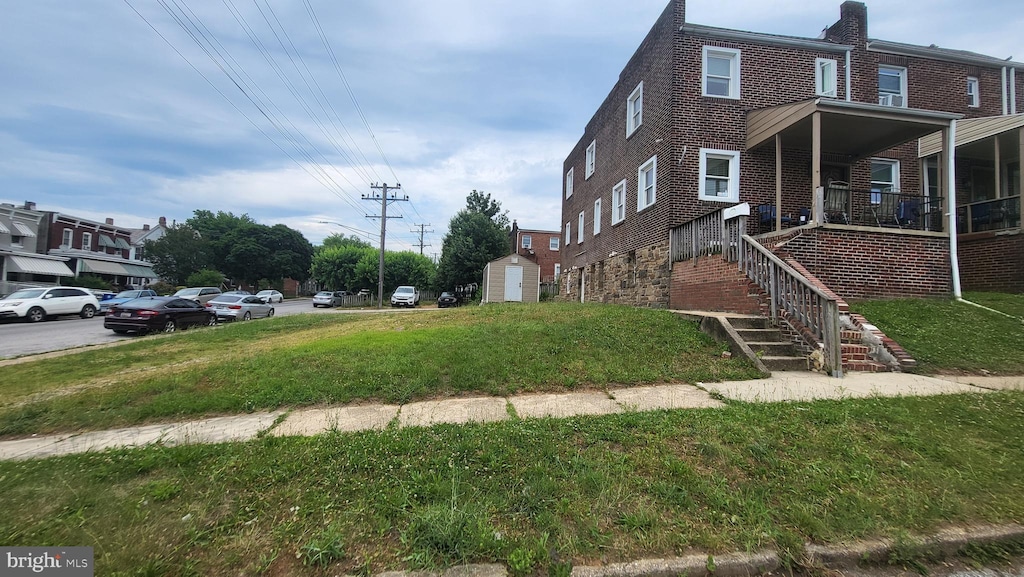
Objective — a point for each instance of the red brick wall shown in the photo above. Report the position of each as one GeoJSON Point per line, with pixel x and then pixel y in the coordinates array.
{"type": "Point", "coordinates": [711, 284]}
{"type": "Point", "coordinates": [540, 242]}
{"type": "Point", "coordinates": [992, 261]}
{"type": "Point", "coordinates": [865, 264]}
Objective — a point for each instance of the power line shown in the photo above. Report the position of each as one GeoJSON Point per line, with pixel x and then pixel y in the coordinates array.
{"type": "Point", "coordinates": [422, 231]}
{"type": "Point", "coordinates": [384, 201]}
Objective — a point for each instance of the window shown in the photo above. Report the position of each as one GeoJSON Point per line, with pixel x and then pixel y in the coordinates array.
{"type": "Point", "coordinates": [66, 238]}
{"type": "Point", "coordinates": [553, 243]}
{"type": "Point", "coordinates": [885, 177]}
{"type": "Point", "coordinates": [591, 153]}
{"type": "Point", "coordinates": [721, 72]}
{"type": "Point", "coordinates": [558, 269]}
{"type": "Point", "coordinates": [86, 241]}
{"type": "Point", "coordinates": [568, 183]}
{"type": "Point", "coordinates": [579, 229]}
{"type": "Point", "coordinates": [647, 184]}
{"type": "Point", "coordinates": [527, 241]}
{"type": "Point", "coordinates": [635, 109]}
{"type": "Point", "coordinates": [597, 217]}
{"type": "Point", "coordinates": [892, 86]}
{"type": "Point", "coordinates": [568, 234]}
{"type": "Point", "coordinates": [973, 96]}
{"type": "Point", "coordinates": [825, 77]}
{"type": "Point", "coordinates": [16, 240]}
{"type": "Point", "coordinates": [719, 175]}
{"type": "Point", "coordinates": [619, 202]}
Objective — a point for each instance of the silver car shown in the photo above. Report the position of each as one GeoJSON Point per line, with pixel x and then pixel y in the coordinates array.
{"type": "Point", "coordinates": [328, 298]}
{"type": "Point", "coordinates": [239, 307]}
{"type": "Point", "coordinates": [201, 295]}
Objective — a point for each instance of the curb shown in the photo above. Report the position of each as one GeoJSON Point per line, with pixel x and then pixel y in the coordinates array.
{"type": "Point", "coordinates": [945, 543]}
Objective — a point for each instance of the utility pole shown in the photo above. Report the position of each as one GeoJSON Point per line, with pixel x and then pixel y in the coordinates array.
{"type": "Point", "coordinates": [384, 199]}
{"type": "Point", "coordinates": [421, 231]}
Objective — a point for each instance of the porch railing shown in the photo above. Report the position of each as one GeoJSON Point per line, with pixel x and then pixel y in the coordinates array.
{"type": "Point", "coordinates": [883, 209]}
{"type": "Point", "coordinates": [793, 296]}
{"type": "Point", "coordinates": [997, 214]}
{"type": "Point", "coordinates": [706, 235]}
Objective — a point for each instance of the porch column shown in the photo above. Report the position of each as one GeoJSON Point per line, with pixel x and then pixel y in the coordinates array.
{"type": "Point", "coordinates": [778, 182]}
{"type": "Point", "coordinates": [1020, 169]}
{"type": "Point", "coordinates": [949, 158]}
{"type": "Point", "coordinates": [816, 162]}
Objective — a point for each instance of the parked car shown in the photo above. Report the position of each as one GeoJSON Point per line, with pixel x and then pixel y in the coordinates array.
{"type": "Point", "coordinates": [123, 297]}
{"type": "Point", "coordinates": [236, 292]}
{"type": "Point", "coordinates": [201, 295]}
{"type": "Point", "coordinates": [157, 314]}
{"type": "Point", "coordinates": [239, 307]}
{"type": "Point", "coordinates": [36, 304]}
{"type": "Point", "coordinates": [364, 292]}
{"type": "Point", "coordinates": [405, 296]}
{"type": "Point", "coordinates": [271, 296]}
{"type": "Point", "coordinates": [447, 300]}
{"type": "Point", "coordinates": [328, 298]}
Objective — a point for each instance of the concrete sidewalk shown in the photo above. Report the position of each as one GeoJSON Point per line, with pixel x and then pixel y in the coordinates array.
{"type": "Point", "coordinates": [785, 386]}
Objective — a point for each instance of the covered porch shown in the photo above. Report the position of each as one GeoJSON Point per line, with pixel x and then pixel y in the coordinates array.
{"type": "Point", "coordinates": [826, 173]}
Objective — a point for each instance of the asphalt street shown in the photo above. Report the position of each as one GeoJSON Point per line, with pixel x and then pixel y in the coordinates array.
{"type": "Point", "coordinates": [18, 338]}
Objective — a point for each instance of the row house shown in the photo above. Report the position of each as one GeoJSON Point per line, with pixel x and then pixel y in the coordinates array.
{"type": "Point", "coordinates": [540, 246]}
{"type": "Point", "coordinates": [23, 248]}
{"type": "Point", "coordinates": [100, 249]}
{"type": "Point", "coordinates": [867, 168]}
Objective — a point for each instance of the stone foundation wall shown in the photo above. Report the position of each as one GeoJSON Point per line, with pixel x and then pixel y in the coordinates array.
{"type": "Point", "coordinates": [637, 278]}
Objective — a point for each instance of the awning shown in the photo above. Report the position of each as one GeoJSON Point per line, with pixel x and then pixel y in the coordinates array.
{"type": "Point", "coordinates": [103, 267]}
{"type": "Point", "coordinates": [139, 271]}
{"type": "Point", "coordinates": [972, 130]}
{"type": "Point", "coordinates": [32, 265]}
{"type": "Point", "coordinates": [106, 241]}
{"type": "Point", "coordinates": [25, 230]}
{"type": "Point", "coordinates": [120, 243]}
{"type": "Point", "coordinates": [853, 129]}
{"type": "Point", "coordinates": [4, 228]}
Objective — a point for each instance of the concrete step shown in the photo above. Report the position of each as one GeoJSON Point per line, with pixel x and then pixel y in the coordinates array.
{"type": "Point", "coordinates": [759, 335]}
{"type": "Point", "coordinates": [773, 348]}
{"type": "Point", "coordinates": [748, 322]}
{"type": "Point", "coordinates": [784, 363]}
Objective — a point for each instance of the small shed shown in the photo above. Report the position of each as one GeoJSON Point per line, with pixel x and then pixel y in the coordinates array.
{"type": "Point", "coordinates": [513, 278]}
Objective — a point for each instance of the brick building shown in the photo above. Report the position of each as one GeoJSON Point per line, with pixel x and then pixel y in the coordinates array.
{"type": "Point", "coordinates": [100, 249]}
{"type": "Point", "coordinates": [837, 144]}
{"type": "Point", "coordinates": [540, 246]}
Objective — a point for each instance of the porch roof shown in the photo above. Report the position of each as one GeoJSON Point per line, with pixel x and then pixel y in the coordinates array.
{"type": "Point", "coordinates": [853, 129]}
{"type": "Point", "coordinates": [972, 130]}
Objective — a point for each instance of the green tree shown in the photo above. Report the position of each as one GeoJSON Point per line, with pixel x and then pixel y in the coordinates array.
{"type": "Point", "coordinates": [336, 240]}
{"type": "Point", "coordinates": [335, 266]}
{"type": "Point", "coordinates": [205, 277]}
{"type": "Point", "coordinates": [180, 252]}
{"type": "Point", "coordinates": [400, 268]}
{"type": "Point", "coordinates": [476, 235]}
{"type": "Point", "coordinates": [219, 231]}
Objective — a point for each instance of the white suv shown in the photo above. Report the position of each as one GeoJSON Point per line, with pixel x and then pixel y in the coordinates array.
{"type": "Point", "coordinates": [35, 304]}
{"type": "Point", "coordinates": [405, 296]}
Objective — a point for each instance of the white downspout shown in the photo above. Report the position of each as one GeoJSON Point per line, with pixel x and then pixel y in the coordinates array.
{"type": "Point", "coordinates": [1005, 108]}
{"type": "Point", "coordinates": [954, 258]}
{"type": "Point", "coordinates": [848, 96]}
{"type": "Point", "coordinates": [1013, 90]}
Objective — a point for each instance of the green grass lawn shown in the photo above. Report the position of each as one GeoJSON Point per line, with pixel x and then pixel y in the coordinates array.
{"type": "Point", "coordinates": [948, 336]}
{"type": "Point", "coordinates": [535, 494]}
{"type": "Point", "coordinates": [395, 358]}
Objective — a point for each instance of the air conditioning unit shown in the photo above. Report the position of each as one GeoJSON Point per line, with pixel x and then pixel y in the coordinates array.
{"type": "Point", "coordinates": [896, 100]}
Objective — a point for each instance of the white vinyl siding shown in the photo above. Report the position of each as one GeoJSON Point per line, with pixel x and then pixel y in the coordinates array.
{"type": "Point", "coordinates": [647, 184]}
{"type": "Point", "coordinates": [825, 77]}
{"type": "Point", "coordinates": [597, 217]}
{"type": "Point", "coordinates": [719, 175]}
{"type": "Point", "coordinates": [721, 76]}
{"type": "Point", "coordinates": [591, 159]}
{"type": "Point", "coordinates": [619, 202]}
{"type": "Point", "coordinates": [635, 109]}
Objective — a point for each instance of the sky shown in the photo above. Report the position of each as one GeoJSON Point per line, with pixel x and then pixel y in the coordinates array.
{"type": "Point", "coordinates": [111, 109]}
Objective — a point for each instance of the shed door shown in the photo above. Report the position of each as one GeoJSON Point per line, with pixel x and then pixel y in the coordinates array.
{"type": "Point", "coordinates": [514, 283]}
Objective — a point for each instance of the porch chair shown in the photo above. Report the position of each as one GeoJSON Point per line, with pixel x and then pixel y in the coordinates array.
{"type": "Point", "coordinates": [766, 217]}
{"type": "Point", "coordinates": [886, 209]}
{"type": "Point", "coordinates": [837, 198]}
{"type": "Point", "coordinates": [908, 214]}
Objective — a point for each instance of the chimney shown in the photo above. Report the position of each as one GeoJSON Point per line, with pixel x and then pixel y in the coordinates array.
{"type": "Point", "coordinates": [163, 221]}
{"type": "Point", "coordinates": [29, 205]}
{"type": "Point", "coordinates": [513, 236]}
{"type": "Point", "coordinates": [145, 227]}
{"type": "Point", "coordinates": [110, 221]}
{"type": "Point", "coordinates": [852, 27]}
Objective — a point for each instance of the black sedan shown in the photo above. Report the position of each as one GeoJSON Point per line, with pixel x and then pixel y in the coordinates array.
{"type": "Point", "coordinates": [157, 314]}
{"type": "Point", "coordinates": [447, 300]}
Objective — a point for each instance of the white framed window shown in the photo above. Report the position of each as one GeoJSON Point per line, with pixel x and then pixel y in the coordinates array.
{"type": "Point", "coordinates": [568, 183]}
{"type": "Point", "coordinates": [597, 217]}
{"type": "Point", "coordinates": [885, 177]}
{"type": "Point", "coordinates": [527, 241]}
{"type": "Point", "coordinates": [973, 92]}
{"type": "Point", "coordinates": [558, 269]}
{"type": "Point", "coordinates": [553, 243]}
{"type": "Point", "coordinates": [825, 77]}
{"type": "Point", "coordinates": [65, 241]}
{"type": "Point", "coordinates": [647, 184]}
{"type": "Point", "coordinates": [568, 233]}
{"type": "Point", "coordinates": [591, 158]}
{"type": "Point", "coordinates": [892, 86]}
{"type": "Point", "coordinates": [721, 77]}
{"type": "Point", "coordinates": [86, 241]}
{"type": "Point", "coordinates": [635, 109]}
{"type": "Point", "coordinates": [719, 175]}
{"type": "Point", "coordinates": [579, 228]}
{"type": "Point", "coordinates": [619, 202]}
